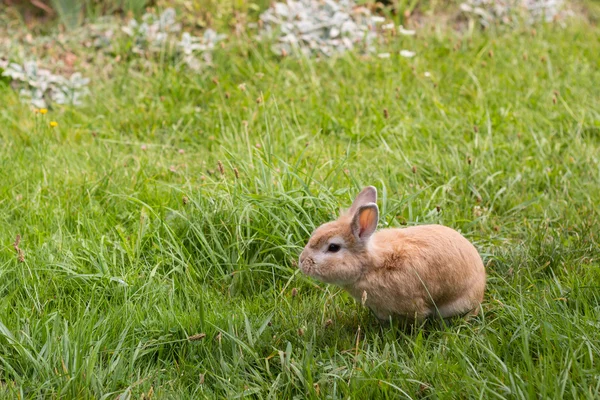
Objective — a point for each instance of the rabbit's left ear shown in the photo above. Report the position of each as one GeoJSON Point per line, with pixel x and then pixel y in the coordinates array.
{"type": "Point", "coordinates": [366, 196]}
{"type": "Point", "coordinates": [364, 221]}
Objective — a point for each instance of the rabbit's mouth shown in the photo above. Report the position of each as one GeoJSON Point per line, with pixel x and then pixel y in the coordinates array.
{"type": "Point", "coordinates": [307, 266]}
{"type": "Point", "coordinates": [311, 269]}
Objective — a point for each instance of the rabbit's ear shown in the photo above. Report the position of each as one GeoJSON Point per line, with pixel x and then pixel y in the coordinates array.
{"type": "Point", "coordinates": [366, 196]}
{"type": "Point", "coordinates": [364, 221]}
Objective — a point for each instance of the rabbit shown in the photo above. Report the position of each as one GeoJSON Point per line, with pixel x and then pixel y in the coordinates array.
{"type": "Point", "coordinates": [410, 274]}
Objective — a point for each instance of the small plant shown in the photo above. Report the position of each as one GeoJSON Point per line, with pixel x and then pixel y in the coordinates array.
{"type": "Point", "coordinates": [313, 27]}
{"type": "Point", "coordinates": [505, 11]}
{"type": "Point", "coordinates": [69, 12]}
{"type": "Point", "coordinates": [41, 88]}
{"type": "Point", "coordinates": [154, 32]}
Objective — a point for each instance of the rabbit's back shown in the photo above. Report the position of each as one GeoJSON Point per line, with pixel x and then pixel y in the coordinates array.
{"type": "Point", "coordinates": [419, 270]}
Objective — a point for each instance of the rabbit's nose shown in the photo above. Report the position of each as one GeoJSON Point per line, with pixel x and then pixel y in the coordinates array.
{"type": "Point", "coordinates": [301, 259]}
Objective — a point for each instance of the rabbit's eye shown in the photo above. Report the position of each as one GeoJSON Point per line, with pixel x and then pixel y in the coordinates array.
{"type": "Point", "coordinates": [334, 248]}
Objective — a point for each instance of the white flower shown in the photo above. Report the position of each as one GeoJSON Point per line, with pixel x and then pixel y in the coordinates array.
{"type": "Point", "coordinates": [407, 53]}
{"type": "Point", "coordinates": [466, 8]}
{"type": "Point", "coordinates": [406, 32]}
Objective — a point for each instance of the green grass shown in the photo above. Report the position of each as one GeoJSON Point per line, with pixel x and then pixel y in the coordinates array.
{"type": "Point", "coordinates": [130, 246]}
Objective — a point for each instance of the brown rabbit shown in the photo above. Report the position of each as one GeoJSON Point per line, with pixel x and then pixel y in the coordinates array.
{"type": "Point", "coordinates": [411, 273]}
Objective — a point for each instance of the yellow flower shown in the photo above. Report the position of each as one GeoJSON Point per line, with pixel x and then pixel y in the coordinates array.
{"type": "Point", "coordinates": [43, 110]}
{"type": "Point", "coordinates": [53, 124]}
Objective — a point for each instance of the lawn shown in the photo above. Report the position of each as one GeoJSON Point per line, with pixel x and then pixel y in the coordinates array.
{"type": "Point", "coordinates": [161, 221]}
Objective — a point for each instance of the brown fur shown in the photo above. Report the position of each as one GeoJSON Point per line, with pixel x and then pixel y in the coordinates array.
{"type": "Point", "coordinates": [411, 273]}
